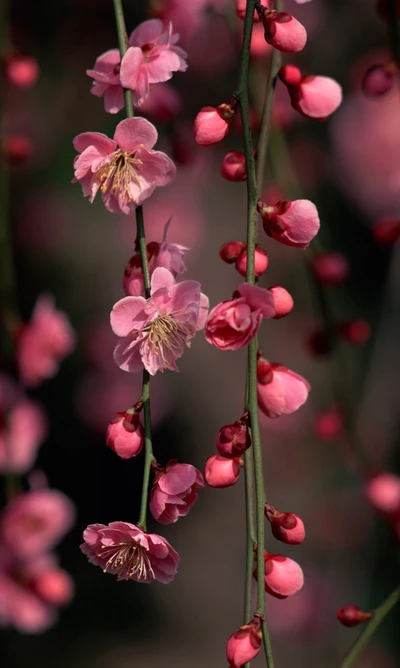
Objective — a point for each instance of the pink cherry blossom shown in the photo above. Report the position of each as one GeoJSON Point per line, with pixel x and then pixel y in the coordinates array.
{"type": "Point", "coordinates": [292, 223]}
{"type": "Point", "coordinates": [283, 31]}
{"type": "Point", "coordinates": [167, 255]}
{"type": "Point", "coordinates": [125, 550]}
{"type": "Point", "coordinates": [279, 390]}
{"type": "Point", "coordinates": [383, 492]}
{"type": "Point", "coordinates": [283, 576]}
{"type": "Point", "coordinates": [107, 80]}
{"type": "Point", "coordinates": [35, 521]}
{"type": "Point", "coordinates": [155, 331]}
{"type": "Point", "coordinates": [43, 342]}
{"type": "Point", "coordinates": [244, 645]}
{"type": "Point", "coordinates": [174, 492]}
{"type": "Point", "coordinates": [233, 324]}
{"type": "Point", "coordinates": [260, 262]}
{"type": "Point", "coordinates": [313, 96]}
{"type": "Point", "coordinates": [283, 301]}
{"type": "Point", "coordinates": [211, 125]}
{"type": "Point", "coordinates": [221, 472]}
{"type": "Point", "coordinates": [124, 169]}
{"type": "Point", "coordinates": [286, 527]}
{"type": "Point", "coordinates": [331, 268]}
{"type": "Point", "coordinates": [31, 591]}
{"type": "Point", "coordinates": [125, 435]}
{"type": "Point", "coordinates": [151, 58]}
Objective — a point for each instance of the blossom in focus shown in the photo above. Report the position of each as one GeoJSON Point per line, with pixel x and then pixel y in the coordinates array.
{"type": "Point", "coordinates": [233, 324]}
{"type": "Point", "coordinates": [292, 223]}
{"type": "Point", "coordinates": [31, 591]}
{"type": "Point", "coordinates": [233, 166]}
{"type": "Point", "coordinates": [43, 343]}
{"type": "Point", "coordinates": [152, 57]}
{"type": "Point", "coordinates": [155, 331]}
{"type": "Point", "coordinates": [283, 301]}
{"type": "Point", "coordinates": [167, 255]}
{"type": "Point", "coordinates": [312, 96]}
{"type": "Point", "coordinates": [35, 522]}
{"type": "Point", "coordinates": [286, 527]}
{"type": "Point", "coordinates": [174, 492]}
{"type": "Point", "coordinates": [244, 645]}
{"type": "Point", "coordinates": [125, 170]}
{"type": "Point", "coordinates": [283, 576]}
{"type": "Point", "coordinates": [23, 428]}
{"type": "Point", "coordinates": [125, 434]}
{"type": "Point", "coordinates": [234, 439]}
{"type": "Point", "coordinates": [283, 31]}
{"type": "Point", "coordinates": [279, 390]}
{"type": "Point", "coordinates": [211, 124]}
{"type": "Point", "coordinates": [221, 472]}
{"type": "Point", "coordinates": [125, 550]}
{"type": "Point", "coordinates": [107, 82]}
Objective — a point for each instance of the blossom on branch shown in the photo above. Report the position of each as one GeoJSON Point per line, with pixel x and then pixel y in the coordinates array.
{"type": "Point", "coordinates": [279, 390]}
{"type": "Point", "coordinates": [174, 492]}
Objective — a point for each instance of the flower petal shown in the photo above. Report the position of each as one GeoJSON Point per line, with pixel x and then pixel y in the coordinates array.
{"type": "Point", "coordinates": [133, 133]}
{"type": "Point", "coordinates": [127, 315]}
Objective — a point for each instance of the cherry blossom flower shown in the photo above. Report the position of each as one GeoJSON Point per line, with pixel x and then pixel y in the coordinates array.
{"type": "Point", "coordinates": [43, 343]}
{"type": "Point", "coordinates": [151, 58]}
{"type": "Point", "coordinates": [155, 331]}
{"type": "Point", "coordinates": [35, 521]}
{"type": "Point", "coordinates": [283, 576]}
{"type": "Point", "coordinates": [23, 428]}
{"type": "Point", "coordinates": [260, 262]}
{"type": "Point", "coordinates": [313, 96]}
{"type": "Point", "coordinates": [125, 550]}
{"type": "Point", "coordinates": [221, 472]}
{"type": "Point", "coordinates": [174, 492]}
{"type": "Point", "coordinates": [211, 124]}
{"type": "Point", "coordinates": [107, 80]}
{"type": "Point", "coordinates": [125, 434]}
{"type": "Point", "coordinates": [279, 390]}
{"type": "Point", "coordinates": [167, 255]}
{"type": "Point", "coordinates": [244, 645]}
{"type": "Point", "coordinates": [292, 223]}
{"type": "Point", "coordinates": [233, 324]}
{"type": "Point", "coordinates": [124, 169]}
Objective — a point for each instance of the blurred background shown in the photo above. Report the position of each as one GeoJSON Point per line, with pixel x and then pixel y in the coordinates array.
{"type": "Point", "coordinates": [350, 167]}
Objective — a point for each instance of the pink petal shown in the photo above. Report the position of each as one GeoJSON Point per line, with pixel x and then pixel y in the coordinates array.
{"type": "Point", "coordinates": [203, 311]}
{"type": "Point", "coordinates": [178, 479]}
{"type": "Point", "coordinates": [128, 315]}
{"type": "Point", "coordinates": [131, 64]}
{"type": "Point", "coordinates": [101, 142]}
{"type": "Point", "coordinates": [301, 221]}
{"type": "Point", "coordinates": [146, 32]}
{"type": "Point", "coordinates": [185, 295]}
{"type": "Point", "coordinates": [162, 67]}
{"type": "Point", "coordinates": [319, 96]}
{"type": "Point", "coordinates": [127, 355]}
{"type": "Point", "coordinates": [114, 99]}
{"type": "Point", "coordinates": [258, 299]}
{"type": "Point", "coordinates": [161, 278]}
{"type": "Point", "coordinates": [157, 167]}
{"type": "Point", "coordinates": [133, 133]}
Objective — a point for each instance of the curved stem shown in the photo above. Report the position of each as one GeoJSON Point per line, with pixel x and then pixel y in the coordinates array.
{"type": "Point", "coordinates": [141, 242]}
{"type": "Point", "coordinates": [377, 618]}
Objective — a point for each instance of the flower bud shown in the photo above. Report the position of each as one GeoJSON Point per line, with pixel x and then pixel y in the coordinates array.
{"type": "Point", "coordinates": [357, 331]}
{"type": "Point", "coordinates": [290, 75]}
{"type": "Point", "coordinates": [331, 268]}
{"type": "Point", "coordinates": [233, 439]}
{"type": "Point", "coordinates": [230, 251]}
{"type": "Point", "coordinates": [260, 262]}
{"type": "Point", "coordinates": [283, 31]}
{"type": "Point", "coordinates": [233, 166]}
{"type": "Point", "coordinates": [17, 149]}
{"type": "Point", "coordinates": [174, 492]}
{"type": "Point", "coordinates": [312, 96]}
{"type": "Point", "coordinates": [211, 124]}
{"type": "Point", "coordinates": [221, 472]}
{"type": "Point", "coordinates": [283, 576]}
{"type": "Point", "coordinates": [125, 434]}
{"type": "Point", "coordinates": [244, 645]}
{"type": "Point", "coordinates": [350, 615]}
{"type": "Point", "coordinates": [292, 223]}
{"type": "Point", "coordinates": [378, 80]}
{"type": "Point", "coordinates": [21, 71]}
{"type": "Point", "coordinates": [279, 390]}
{"type": "Point", "coordinates": [386, 231]}
{"type": "Point", "coordinates": [383, 492]}
{"type": "Point", "coordinates": [329, 424]}
{"type": "Point", "coordinates": [283, 301]}
{"type": "Point", "coordinates": [286, 527]}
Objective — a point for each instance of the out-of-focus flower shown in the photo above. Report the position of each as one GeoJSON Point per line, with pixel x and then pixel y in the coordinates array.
{"type": "Point", "coordinates": [244, 645]}
{"type": "Point", "coordinates": [313, 96]}
{"type": "Point", "coordinates": [233, 166]}
{"type": "Point", "coordinates": [355, 331]}
{"type": "Point", "coordinates": [163, 105]}
{"type": "Point", "coordinates": [155, 331]}
{"type": "Point", "coordinates": [386, 231]}
{"type": "Point", "coordinates": [107, 82]}
{"type": "Point", "coordinates": [329, 424]}
{"type": "Point", "coordinates": [124, 169]}
{"type": "Point", "coordinates": [174, 492]}
{"type": "Point", "coordinates": [43, 343]}
{"type": "Point", "coordinates": [231, 325]}
{"type": "Point", "coordinates": [21, 71]}
{"type": "Point", "coordinates": [331, 268]}
{"type": "Point", "coordinates": [279, 390]}
{"type": "Point", "coordinates": [292, 223]}
{"type": "Point", "coordinates": [379, 79]}
{"type": "Point", "coordinates": [383, 492]}
{"type": "Point", "coordinates": [35, 522]}
{"type": "Point", "coordinates": [125, 550]}
{"type": "Point", "coordinates": [17, 148]}
{"type": "Point", "coordinates": [221, 472]}
{"type": "Point", "coordinates": [351, 615]}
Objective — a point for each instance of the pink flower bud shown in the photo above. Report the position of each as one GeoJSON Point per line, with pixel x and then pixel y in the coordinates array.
{"type": "Point", "coordinates": [329, 424]}
{"type": "Point", "coordinates": [331, 268]}
{"type": "Point", "coordinates": [233, 439]}
{"type": "Point", "coordinates": [357, 331]}
{"type": "Point", "coordinates": [386, 231]}
{"type": "Point", "coordinates": [283, 301]}
{"type": "Point", "coordinates": [279, 390]}
{"type": "Point", "coordinates": [383, 492]}
{"type": "Point", "coordinates": [21, 71]}
{"type": "Point", "coordinates": [211, 124]}
{"type": "Point", "coordinates": [283, 576]}
{"type": "Point", "coordinates": [313, 96]}
{"type": "Point", "coordinates": [378, 80]}
{"type": "Point", "coordinates": [233, 166]}
{"type": "Point", "coordinates": [350, 615]}
{"type": "Point", "coordinates": [221, 472]}
{"type": "Point", "coordinates": [17, 149]}
{"type": "Point", "coordinates": [174, 492]}
{"type": "Point", "coordinates": [283, 31]}
{"type": "Point", "coordinates": [290, 75]}
{"type": "Point", "coordinates": [244, 645]}
{"type": "Point", "coordinates": [230, 251]}
{"type": "Point", "coordinates": [286, 527]}
{"type": "Point", "coordinates": [54, 586]}
{"type": "Point", "coordinates": [260, 262]}
{"type": "Point", "coordinates": [292, 223]}
{"type": "Point", "coordinates": [125, 434]}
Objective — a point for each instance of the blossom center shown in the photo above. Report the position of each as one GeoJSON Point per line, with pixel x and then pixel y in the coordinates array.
{"type": "Point", "coordinates": [127, 560]}
{"type": "Point", "coordinates": [117, 176]}
{"type": "Point", "coordinates": [166, 338]}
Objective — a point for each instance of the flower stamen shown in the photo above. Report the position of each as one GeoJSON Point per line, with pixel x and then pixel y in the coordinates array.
{"type": "Point", "coordinates": [127, 560]}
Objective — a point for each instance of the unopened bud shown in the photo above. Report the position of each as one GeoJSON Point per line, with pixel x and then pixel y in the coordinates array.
{"type": "Point", "coordinates": [230, 251]}
{"type": "Point", "coordinates": [233, 166]}
{"type": "Point", "coordinates": [221, 472]}
{"type": "Point", "coordinates": [286, 527]}
{"type": "Point", "coordinates": [283, 301]}
{"type": "Point", "coordinates": [125, 434]}
{"type": "Point", "coordinates": [260, 262]}
{"type": "Point", "coordinates": [233, 440]}
{"type": "Point", "coordinates": [350, 615]}
{"type": "Point", "coordinates": [244, 645]}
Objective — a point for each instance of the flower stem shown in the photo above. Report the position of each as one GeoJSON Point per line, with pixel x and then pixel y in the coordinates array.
{"type": "Point", "coordinates": [252, 196]}
{"type": "Point", "coordinates": [141, 241]}
{"type": "Point", "coordinates": [378, 617]}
